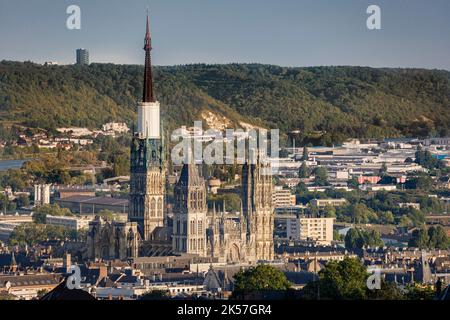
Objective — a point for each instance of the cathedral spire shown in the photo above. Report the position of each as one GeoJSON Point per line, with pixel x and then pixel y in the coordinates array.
{"type": "Point", "coordinates": [148, 77]}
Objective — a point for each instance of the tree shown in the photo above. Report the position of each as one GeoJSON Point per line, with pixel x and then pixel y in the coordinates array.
{"type": "Point", "coordinates": [438, 238]}
{"type": "Point", "coordinates": [231, 201]}
{"type": "Point", "coordinates": [417, 217]}
{"type": "Point", "coordinates": [330, 211]}
{"type": "Point", "coordinates": [360, 213]}
{"type": "Point", "coordinates": [337, 236]}
{"type": "Point", "coordinates": [387, 217]}
{"type": "Point", "coordinates": [405, 221]}
{"type": "Point", "coordinates": [303, 172]}
{"type": "Point", "coordinates": [106, 214]}
{"type": "Point", "coordinates": [357, 238]}
{"type": "Point", "coordinates": [15, 179]}
{"type": "Point", "coordinates": [422, 182]}
{"type": "Point", "coordinates": [426, 159]}
{"type": "Point", "coordinates": [260, 278]}
{"type": "Point", "coordinates": [320, 176]}
{"type": "Point", "coordinates": [40, 214]}
{"type": "Point", "coordinates": [419, 239]}
{"type": "Point", "coordinates": [301, 188]}
{"type": "Point", "coordinates": [305, 154]}
{"type": "Point", "coordinates": [347, 279]}
{"type": "Point", "coordinates": [383, 169]}
{"type": "Point", "coordinates": [35, 148]}
{"type": "Point", "coordinates": [387, 291]}
{"type": "Point", "coordinates": [33, 233]}
{"type": "Point", "coordinates": [344, 279]}
{"type": "Point", "coordinates": [4, 203]}
{"type": "Point", "coordinates": [102, 92]}
{"type": "Point", "coordinates": [121, 165]}
{"type": "Point", "coordinates": [155, 295]}
{"type": "Point", "coordinates": [353, 183]}
{"type": "Point", "coordinates": [23, 201]}
{"type": "Point", "coordinates": [415, 292]}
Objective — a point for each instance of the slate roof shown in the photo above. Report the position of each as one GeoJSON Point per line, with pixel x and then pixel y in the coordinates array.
{"type": "Point", "coordinates": [189, 174]}
{"type": "Point", "coordinates": [29, 280]}
{"type": "Point", "coordinates": [61, 292]}
{"type": "Point", "coordinates": [211, 282]}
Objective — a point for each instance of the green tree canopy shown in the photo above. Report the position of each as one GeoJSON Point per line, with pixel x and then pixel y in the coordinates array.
{"type": "Point", "coordinates": [419, 239]}
{"type": "Point", "coordinates": [433, 238]}
{"type": "Point", "coordinates": [303, 172]}
{"type": "Point", "coordinates": [40, 214]}
{"type": "Point", "coordinates": [357, 238]}
{"type": "Point", "coordinates": [33, 233]}
{"type": "Point", "coordinates": [320, 176]}
{"type": "Point", "coordinates": [438, 238]}
{"type": "Point", "coordinates": [260, 278]}
{"type": "Point", "coordinates": [155, 295]}
{"type": "Point", "coordinates": [344, 279]}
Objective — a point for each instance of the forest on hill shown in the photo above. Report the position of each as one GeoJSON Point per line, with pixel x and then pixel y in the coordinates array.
{"type": "Point", "coordinates": [325, 104]}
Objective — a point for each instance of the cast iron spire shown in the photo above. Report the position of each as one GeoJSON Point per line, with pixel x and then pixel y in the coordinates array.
{"type": "Point", "coordinates": [148, 79]}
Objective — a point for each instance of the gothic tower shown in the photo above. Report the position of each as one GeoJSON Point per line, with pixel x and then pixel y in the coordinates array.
{"type": "Point", "coordinates": [147, 176]}
{"type": "Point", "coordinates": [257, 207]}
{"type": "Point", "coordinates": [189, 212]}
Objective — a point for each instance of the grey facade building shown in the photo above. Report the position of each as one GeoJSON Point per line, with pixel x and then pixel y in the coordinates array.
{"type": "Point", "coordinates": [82, 57]}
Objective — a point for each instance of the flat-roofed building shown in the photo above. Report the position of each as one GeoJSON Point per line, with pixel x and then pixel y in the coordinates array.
{"type": "Point", "coordinates": [76, 223]}
{"type": "Point", "coordinates": [282, 198]}
{"type": "Point", "coordinates": [82, 56]}
{"type": "Point", "coordinates": [315, 229]}
{"type": "Point", "coordinates": [65, 192]}
{"type": "Point", "coordinates": [328, 202]}
{"type": "Point", "coordinates": [92, 205]}
{"type": "Point", "coordinates": [413, 205]}
{"type": "Point", "coordinates": [379, 187]}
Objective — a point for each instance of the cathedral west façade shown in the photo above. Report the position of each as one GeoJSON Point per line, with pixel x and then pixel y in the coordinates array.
{"type": "Point", "coordinates": [246, 237]}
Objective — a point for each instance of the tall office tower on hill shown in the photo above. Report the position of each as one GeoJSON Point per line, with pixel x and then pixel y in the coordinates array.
{"type": "Point", "coordinates": [147, 181]}
{"type": "Point", "coordinates": [82, 57]}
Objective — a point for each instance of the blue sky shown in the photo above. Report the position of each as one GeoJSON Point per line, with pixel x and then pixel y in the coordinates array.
{"type": "Point", "coordinates": [415, 33]}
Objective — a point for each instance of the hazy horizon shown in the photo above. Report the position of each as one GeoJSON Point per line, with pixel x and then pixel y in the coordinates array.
{"type": "Point", "coordinates": [238, 63]}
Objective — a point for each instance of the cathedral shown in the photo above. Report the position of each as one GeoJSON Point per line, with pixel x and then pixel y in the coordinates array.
{"type": "Point", "coordinates": [246, 237]}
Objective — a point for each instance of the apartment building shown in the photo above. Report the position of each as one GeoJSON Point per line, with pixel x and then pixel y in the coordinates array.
{"type": "Point", "coordinates": [282, 198]}
{"type": "Point", "coordinates": [307, 228]}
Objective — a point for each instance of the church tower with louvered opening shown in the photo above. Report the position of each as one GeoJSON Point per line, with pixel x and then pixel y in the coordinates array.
{"type": "Point", "coordinates": [257, 208]}
{"type": "Point", "coordinates": [189, 212]}
{"type": "Point", "coordinates": [147, 176]}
